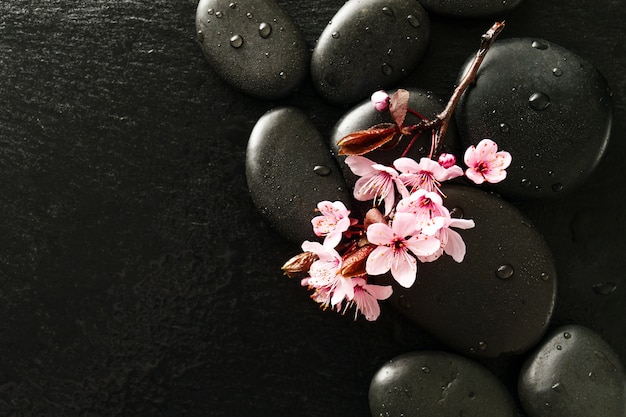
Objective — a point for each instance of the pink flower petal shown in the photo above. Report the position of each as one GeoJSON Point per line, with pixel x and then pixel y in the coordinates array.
{"type": "Point", "coordinates": [423, 245]}
{"type": "Point", "coordinates": [404, 269]}
{"type": "Point", "coordinates": [379, 234]}
{"type": "Point", "coordinates": [379, 260]}
{"type": "Point", "coordinates": [360, 165]}
{"type": "Point", "coordinates": [403, 225]}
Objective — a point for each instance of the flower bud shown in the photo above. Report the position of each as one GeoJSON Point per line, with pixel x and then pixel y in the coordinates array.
{"type": "Point", "coordinates": [380, 100]}
{"type": "Point", "coordinates": [447, 160]}
{"type": "Point", "coordinates": [353, 263]}
{"type": "Point", "coordinates": [299, 264]}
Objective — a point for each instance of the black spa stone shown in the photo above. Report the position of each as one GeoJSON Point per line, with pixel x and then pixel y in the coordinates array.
{"type": "Point", "coordinates": [289, 169]}
{"type": "Point", "coordinates": [500, 299]}
{"type": "Point", "coordinates": [436, 384]}
{"type": "Point", "coordinates": [253, 46]}
{"type": "Point", "coordinates": [574, 373]}
{"type": "Point", "coordinates": [368, 45]}
{"type": "Point", "coordinates": [470, 8]}
{"type": "Point", "coordinates": [545, 105]}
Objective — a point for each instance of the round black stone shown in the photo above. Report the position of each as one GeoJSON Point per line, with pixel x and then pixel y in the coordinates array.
{"type": "Point", "coordinates": [500, 299]}
{"type": "Point", "coordinates": [546, 106]}
{"type": "Point", "coordinates": [435, 384]}
{"type": "Point", "coordinates": [289, 169]}
{"type": "Point", "coordinates": [470, 8]}
{"type": "Point", "coordinates": [368, 45]}
{"type": "Point", "coordinates": [254, 46]}
{"type": "Point", "coordinates": [574, 373]}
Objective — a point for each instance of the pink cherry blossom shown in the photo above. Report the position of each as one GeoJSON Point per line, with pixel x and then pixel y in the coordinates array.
{"type": "Point", "coordinates": [332, 223]}
{"type": "Point", "coordinates": [377, 182]}
{"type": "Point", "coordinates": [427, 174]}
{"type": "Point", "coordinates": [451, 241]}
{"type": "Point", "coordinates": [446, 160]}
{"type": "Point", "coordinates": [366, 297]}
{"type": "Point", "coordinates": [485, 163]}
{"type": "Point", "coordinates": [428, 209]}
{"type": "Point", "coordinates": [380, 100]}
{"type": "Point", "coordinates": [331, 287]}
{"type": "Point", "coordinates": [395, 245]}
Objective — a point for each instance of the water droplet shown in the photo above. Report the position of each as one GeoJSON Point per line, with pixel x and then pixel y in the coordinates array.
{"type": "Point", "coordinates": [282, 75]}
{"type": "Point", "coordinates": [236, 41]}
{"type": "Point", "coordinates": [539, 101]}
{"type": "Point", "coordinates": [413, 21]}
{"type": "Point", "coordinates": [210, 11]}
{"type": "Point", "coordinates": [426, 369]}
{"type": "Point", "coordinates": [482, 345]}
{"type": "Point", "coordinates": [551, 173]}
{"type": "Point", "coordinates": [218, 14]}
{"type": "Point", "coordinates": [525, 182]}
{"type": "Point", "coordinates": [387, 69]}
{"type": "Point", "coordinates": [389, 51]}
{"type": "Point", "coordinates": [249, 15]}
{"type": "Point", "coordinates": [556, 386]}
{"type": "Point", "coordinates": [404, 302]}
{"type": "Point", "coordinates": [265, 29]}
{"type": "Point", "coordinates": [544, 276]}
{"type": "Point", "coordinates": [388, 11]}
{"type": "Point", "coordinates": [322, 170]}
{"type": "Point", "coordinates": [559, 347]}
{"type": "Point", "coordinates": [200, 36]}
{"type": "Point", "coordinates": [567, 335]}
{"type": "Point", "coordinates": [504, 127]}
{"type": "Point", "coordinates": [335, 35]}
{"type": "Point", "coordinates": [539, 45]}
{"type": "Point", "coordinates": [233, 5]}
{"type": "Point", "coordinates": [556, 187]}
{"type": "Point", "coordinates": [604, 288]}
{"type": "Point", "coordinates": [505, 271]}
{"type": "Point", "coordinates": [557, 71]}
{"type": "Point", "coordinates": [267, 55]}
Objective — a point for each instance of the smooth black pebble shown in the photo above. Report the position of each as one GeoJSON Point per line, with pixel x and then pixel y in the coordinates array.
{"type": "Point", "coordinates": [470, 8]}
{"type": "Point", "coordinates": [367, 46]}
{"type": "Point", "coordinates": [546, 106]}
{"type": "Point", "coordinates": [574, 373]}
{"type": "Point", "coordinates": [253, 45]}
{"type": "Point", "coordinates": [500, 299]}
{"type": "Point", "coordinates": [435, 384]}
{"type": "Point", "coordinates": [289, 169]}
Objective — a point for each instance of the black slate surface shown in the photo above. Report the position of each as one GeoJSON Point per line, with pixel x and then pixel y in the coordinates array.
{"type": "Point", "coordinates": [137, 278]}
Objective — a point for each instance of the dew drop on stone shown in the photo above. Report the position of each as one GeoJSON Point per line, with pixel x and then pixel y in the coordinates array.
{"type": "Point", "coordinates": [200, 36]}
{"type": "Point", "coordinates": [388, 11]}
{"type": "Point", "coordinates": [557, 71]}
{"type": "Point", "coordinates": [556, 387]}
{"type": "Point", "coordinates": [404, 302]}
{"type": "Point", "coordinates": [210, 11]}
{"type": "Point", "coordinates": [525, 182]}
{"type": "Point", "coordinates": [335, 35]}
{"type": "Point", "coordinates": [544, 276]}
{"type": "Point", "coordinates": [389, 51]}
{"type": "Point", "coordinates": [504, 127]}
{"type": "Point", "coordinates": [413, 21]}
{"type": "Point", "coordinates": [426, 369]}
{"type": "Point", "coordinates": [322, 170]}
{"type": "Point", "coordinates": [282, 75]}
{"type": "Point", "coordinates": [265, 29]}
{"type": "Point", "coordinates": [249, 15]}
{"type": "Point", "coordinates": [567, 335]}
{"type": "Point", "coordinates": [539, 101]}
{"type": "Point", "coordinates": [387, 69]}
{"type": "Point", "coordinates": [556, 187]}
{"type": "Point", "coordinates": [218, 14]}
{"type": "Point", "coordinates": [559, 347]}
{"type": "Point", "coordinates": [236, 41]}
{"type": "Point", "coordinates": [233, 5]}
{"type": "Point", "coordinates": [504, 271]}
{"type": "Point", "coordinates": [539, 45]}
{"type": "Point", "coordinates": [482, 345]}
{"type": "Point", "coordinates": [604, 288]}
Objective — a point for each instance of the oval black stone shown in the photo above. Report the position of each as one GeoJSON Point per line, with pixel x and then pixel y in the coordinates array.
{"type": "Point", "coordinates": [435, 384]}
{"type": "Point", "coordinates": [284, 158]}
{"type": "Point", "coordinates": [500, 299]}
{"type": "Point", "coordinates": [574, 373]}
{"type": "Point", "coordinates": [546, 106]}
{"type": "Point", "coordinates": [368, 45]}
{"type": "Point", "coordinates": [254, 46]}
{"type": "Point", "coordinates": [470, 8]}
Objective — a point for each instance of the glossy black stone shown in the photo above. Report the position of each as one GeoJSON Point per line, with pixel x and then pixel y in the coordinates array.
{"type": "Point", "coordinates": [574, 373]}
{"type": "Point", "coordinates": [253, 45]}
{"type": "Point", "coordinates": [435, 384]}
{"type": "Point", "coordinates": [470, 8]}
{"type": "Point", "coordinates": [500, 299]}
{"type": "Point", "coordinates": [368, 45]}
{"type": "Point", "coordinates": [545, 105]}
{"type": "Point", "coordinates": [289, 169]}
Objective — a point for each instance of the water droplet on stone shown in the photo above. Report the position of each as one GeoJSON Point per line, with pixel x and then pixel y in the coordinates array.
{"type": "Point", "coordinates": [525, 182]}
{"type": "Point", "coordinates": [265, 29]}
{"type": "Point", "coordinates": [482, 345]}
{"type": "Point", "coordinates": [200, 36]}
{"type": "Point", "coordinates": [559, 347]}
{"type": "Point", "coordinates": [557, 71]}
{"type": "Point", "coordinates": [389, 51]}
{"type": "Point", "coordinates": [556, 187]}
{"type": "Point", "coordinates": [322, 170]}
{"type": "Point", "coordinates": [388, 11]}
{"type": "Point", "coordinates": [387, 69]}
{"type": "Point", "coordinates": [210, 11]}
{"type": "Point", "coordinates": [404, 302]}
{"type": "Point", "coordinates": [236, 41]}
{"type": "Point", "coordinates": [335, 35]}
{"type": "Point", "coordinates": [249, 15]}
{"type": "Point", "coordinates": [539, 45]}
{"type": "Point", "coordinates": [556, 386]}
{"type": "Point", "coordinates": [567, 335]}
{"type": "Point", "coordinates": [504, 127]}
{"type": "Point", "coordinates": [539, 101]}
{"type": "Point", "coordinates": [426, 369]}
{"type": "Point", "coordinates": [504, 271]}
{"type": "Point", "coordinates": [413, 21]}
{"type": "Point", "coordinates": [233, 5]}
{"type": "Point", "coordinates": [218, 14]}
{"type": "Point", "coordinates": [282, 75]}
{"type": "Point", "coordinates": [604, 288]}
{"type": "Point", "coordinates": [544, 276]}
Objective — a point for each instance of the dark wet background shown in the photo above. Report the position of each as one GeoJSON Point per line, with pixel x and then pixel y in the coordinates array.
{"type": "Point", "coordinates": [137, 278]}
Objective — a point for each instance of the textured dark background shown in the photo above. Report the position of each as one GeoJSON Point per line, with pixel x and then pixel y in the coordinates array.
{"type": "Point", "coordinates": [137, 278]}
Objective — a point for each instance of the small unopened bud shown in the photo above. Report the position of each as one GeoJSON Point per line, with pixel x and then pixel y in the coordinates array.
{"type": "Point", "coordinates": [353, 263]}
{"type": "Point", "coordinates": [447, 160]}
{"type": "Point", "coordinates": [299, 264]}
{"type": "Point", "coordinates": [380, 100]}
{"type": "Point", "coordinates": [372, 216]}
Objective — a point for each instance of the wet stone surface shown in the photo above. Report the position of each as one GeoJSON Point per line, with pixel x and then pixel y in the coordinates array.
{"type": "Point", "coordinates": [500, 299]}
{"type": "Point", "coordinates": [435, 384]}
{"type": "Point", "coordinates": [254, 46]}
{"type": "Point", "coordinates": [289, 169]}
{"type": "Point", "coordinates": [470, 8]}
{"type": "Point", "coordinates": [545, 105]}
{"type": "Point", "coordinates": [574, 373]}
{"type": "Point", "coordinates": [368, 45]}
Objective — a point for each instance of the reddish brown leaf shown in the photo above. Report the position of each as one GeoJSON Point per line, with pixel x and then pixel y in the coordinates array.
{"type": "Point", "coordinates": [398, 106]}
{"type": "Point", "coordinates": [364, 141]}
{"type": "Point", "coordinates": [353, 263]}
